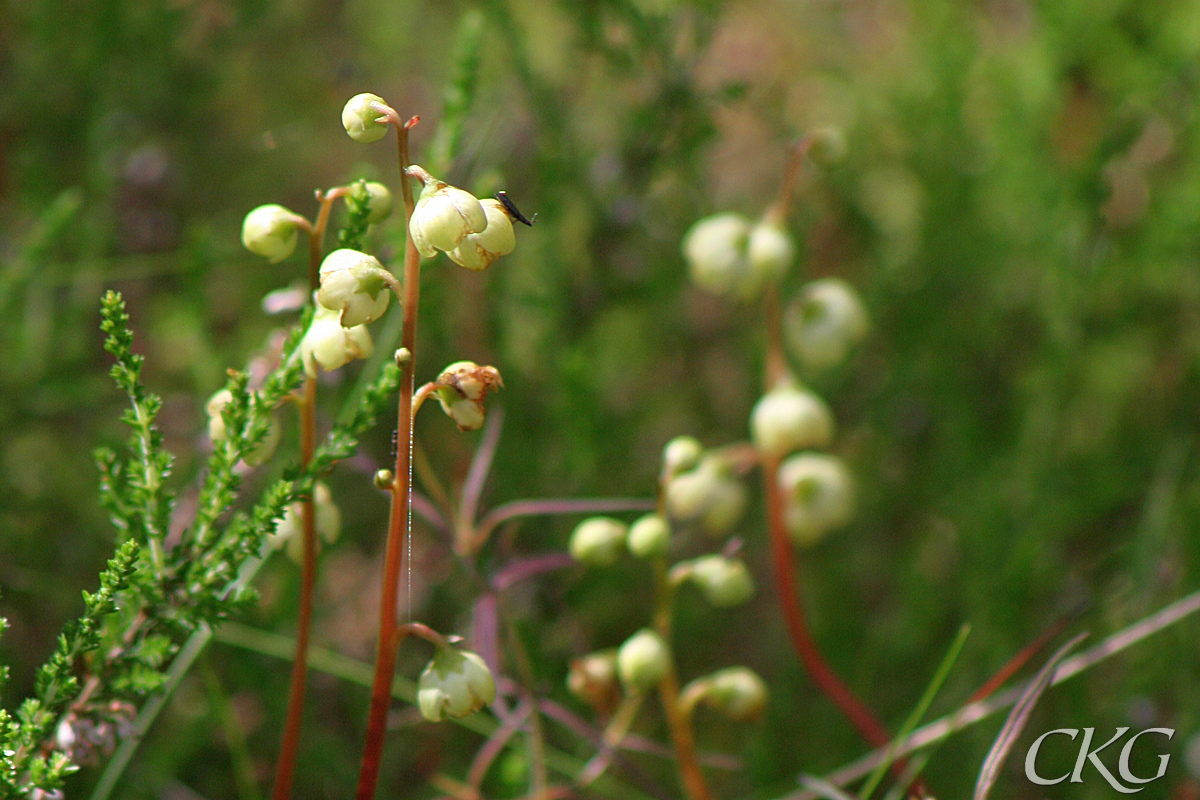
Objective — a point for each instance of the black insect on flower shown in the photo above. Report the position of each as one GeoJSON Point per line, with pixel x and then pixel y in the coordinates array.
{"type": "Point", "coordinates": [512, 209]}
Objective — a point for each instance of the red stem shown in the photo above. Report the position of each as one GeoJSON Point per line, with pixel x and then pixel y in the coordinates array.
{"type": "Point", "coordinates": [793, 615]}
{"type": "Point", "coordinates": [289, 749]}
{"type": "Point", "coordinates": [390, 635]}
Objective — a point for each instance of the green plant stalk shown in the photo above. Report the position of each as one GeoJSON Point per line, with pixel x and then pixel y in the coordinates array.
{"type": "Point", "coordinates": [919, 710]}
{"type": "Point", "coordinates": [389, 641]}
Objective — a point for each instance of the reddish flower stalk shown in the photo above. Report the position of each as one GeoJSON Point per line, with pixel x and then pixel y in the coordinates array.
{"type": "Point", "coordinates": [285, 767]}
{"type": "Point", "coordinates": [390, 634]}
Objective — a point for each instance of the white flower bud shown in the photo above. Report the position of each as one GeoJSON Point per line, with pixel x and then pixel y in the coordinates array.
{"type": "Point", "coordinates": [593, 679]}
{"type": "Point", "coordinates": [650, 537]}
{"type": "Point", "coordinates": [327, 522]}
{"type": "Point", "coordinates": [725, 582]}
{"type": "Point", "coordinates": [715, 250]}
{"type": "Point", "coordinates": [818, 496]}
{"type": "Point", "coordinates": [787, 419]}
{"type": "Point", "coordinates": [737, 692]}
{"type": "Point", "coordinates": [771, 251]}
{"type": "Point", "coordinates": [463, 386]}
{"type": "Point", "coordinates": [478, 250]}
{"type": "Point", "coordinates": [709, 494]}
{"type": "Point", "coordinates": [353, 283]}
{"type": "Point", "coordinates": [681, 454]}
{"type": "Point", "coordinates": [361, 119]}
{"type": "Point", "coordinates": [824, 323]}
{"type": "Point", "coordinates": [217, 432]}
{"type": "Point", "coordinates": [329, 344]}
{"type": "Point", "coordinates": [443, 217]}
{"type": "Point", "coordinates": [597, 541]}
{"type": "Point", "coordinates": [270, 231]}
{"type": "Point", "coordinates": [379, 202]}
{"type": "Point", "coordinates": [643, 660]}
{"type": "Point", "coordinates": [454, 684]}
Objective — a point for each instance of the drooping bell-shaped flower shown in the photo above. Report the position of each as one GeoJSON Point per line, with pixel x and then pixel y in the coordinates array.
{"type": "Point", "coordinates": [454, 684]}
{"type": "Point", "coordinates": [643, 660]}
{"type": "Point", "coordinates": [329, 344]}
{"type": "Point", "coordinates": [462, 388]}
{"type": "Point", "coordinates": [818, 496]}
{"type": "Point", "coordinates": [355, 285]}
{"type": "Point", "coordinates": [444, 215]}
{"type": "Point", "coordinates": [360, 118]}
{"type": "Point", "coordinates": [787, 419]}
{"type": "Point", "coordinates": [270, 231]}
{"type": "Point", "coordinates": [597, 541]}
{"type": "Point", "coordinates": [478, 250]}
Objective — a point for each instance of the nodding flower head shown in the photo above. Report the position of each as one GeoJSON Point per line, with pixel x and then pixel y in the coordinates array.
{"type": "Point", "coordinates": [328, 343]}
{"type": "Point", "coordinates": [270, 231]}
{"type": "Point", "coordinates": [710, 495]}
{"type": "Point", "coordinates": [462, 388]}
{"type": "Point", "coordinates": [725, 582]}
{"type": "Point", "coordinates": [454, 684]}
{"type": "Point", "coordinates": [353, 284]}
{"type": "Point", "coordinates": [715, 251]}
{"type": "Point", "coordinates": [737, 692]}
{"type": "Point", "coordinates": [478, 250]}
{"type": "Point", "coordinates": [824, 322]}
{"type": "Point", "coordinates": [818, 496]}
{"type": "Point", "coordinates": [217, 432]}
{"type": "Point", "coordinates": [649, 537]}
{"type": "Point", "coordinates": [787, 419]}
{"type": "Point", "coordinates": [444, 216]}
{"type": "Point", "coordinates": [642, 661]}
{"type": "Point", "coordinates": [593, 679]}
{"type": "Point", "coordinates": [597, 541]}
{"type": "Point", "coordinates": [327, 519]}
{"type": "Point", "coordinates": [770, 251]}
{"type": "Point", "coordinates": [379, 202]}
{"type": "Point", "coordinates": [361, 115]}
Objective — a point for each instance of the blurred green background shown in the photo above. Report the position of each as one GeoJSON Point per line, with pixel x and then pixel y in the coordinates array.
{"type": "Point", "coordinates": [1018, 208]}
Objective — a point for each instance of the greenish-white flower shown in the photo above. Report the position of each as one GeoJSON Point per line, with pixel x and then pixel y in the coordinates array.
{"type": "Point", "coordinates": [379, 202]}
{"type": "Point", "coordinates": [270, 231]}
{"type": "Point", "coordinates": [454, 684]}
{"type": "Point", "coordinates": [360, 117]}
{"type": "Point", "coordinates": [787, 419]}
{"type": "Point", "coordinates": [649, 537]}
{"type": "Point", "coordinates": [328, 343]}
{"type": "Point", "coordinates": [770, 251]}
{"type": "Point", "coordinates": [824, 323]}
{"type": "Point", "coordinates": [478, 250]}
{"type": "Point", "coordinates": [818, 496]}
{"type": "Point", "coordinates": [327, 522]}
{"type": "Point", "coordinates": [709, 495]}
{"type": "Point", "coordinates": [443, 217]}
{"type": "Point", "coordinates": [355, 285]}
{"type": "Point", "coordinates": [643, 660]}
{"type": "Point", "coordinates": [737, 692]}
{"type": "Point", "coordinates": [715, 251]}
{"type": "Point", "coordinates": [217, 431]}
{"type": "Point", "coordinates": [725, 582]}
{"type": "Point", "coordinates": [597, 541]}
